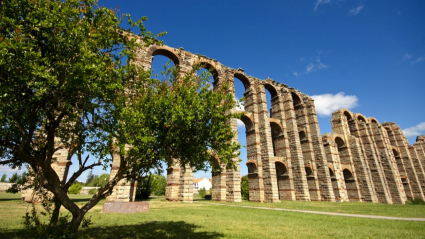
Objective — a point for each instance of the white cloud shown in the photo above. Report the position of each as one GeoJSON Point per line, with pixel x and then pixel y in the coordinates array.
{"type": "Point", "coordinates": [240, 124]}
{"type": "Point", "coordinates": [8, 170]}
{"type": "Point", "coordinates": [417, 60]}
{"type": "Point", "coordinates": [407, 56]}
{"type": "Point", "coordinates": [326, 104]}
{"type": "Point", "coordinates": [356, 10]}
{"type": "Point", "coordinates": [312, 66]}
{"type": "Point", "coordinates": [320, 2]}
{"type": "Point", "coordinates": [415, 130]}
{"type": "Point", "coordinates": [239, 105]}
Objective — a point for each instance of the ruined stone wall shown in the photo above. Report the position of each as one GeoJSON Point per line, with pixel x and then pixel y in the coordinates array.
{"type": "Point", "coordinates": [287, 156]}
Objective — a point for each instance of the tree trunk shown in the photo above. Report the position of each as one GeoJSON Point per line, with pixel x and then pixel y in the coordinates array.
{"type": "Point", "coordinates": [76, 221]}
{"type": "Point", "coordinates": [55, 215]}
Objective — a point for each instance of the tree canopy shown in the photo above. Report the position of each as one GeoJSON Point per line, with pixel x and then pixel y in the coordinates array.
{"type": "Point", "coordinates": [68, 80]}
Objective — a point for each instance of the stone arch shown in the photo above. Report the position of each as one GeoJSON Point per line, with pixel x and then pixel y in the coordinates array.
{"type": "Point", "coordinates": [214, 70]}
{"type": "Point", "coordinates": [283, 180]}
{"type": "Point", "coordinates": [164, 51]}
{"type": "Point", "coordinates": [308, 171]}
{"type": "Point", "coordinates": [252, 168]}
{"type": "Point", "coordinates": [247, 119]}
{"type": "Point", "coordinates": [348, 115]}
{"type": "Point", "coordinates": [296, 99]}
{"type": "Point", "coordinates": [277, 137]}
{"type": "Point", "coordinates": [302, 135]}
{"type": "Point", "coordinates": [340, 143]}
{"type": "Point", "coordinates": [271, 89]}
{"type": "Point", "coordinates": [348, 174]}
{"type": "Point", "coordinates": [243, 78]}
{"type": "Point", "coordinates": [361, 118]}
{"type": "Point", "coordinates": [373, 121]}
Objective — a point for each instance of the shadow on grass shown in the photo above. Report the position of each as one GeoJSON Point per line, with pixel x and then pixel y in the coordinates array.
{"type": "Point", "coordinates": [156, 229]}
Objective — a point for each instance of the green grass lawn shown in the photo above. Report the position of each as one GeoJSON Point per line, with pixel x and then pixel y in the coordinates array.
{"type": "Point", "coordinates": [200, 220]}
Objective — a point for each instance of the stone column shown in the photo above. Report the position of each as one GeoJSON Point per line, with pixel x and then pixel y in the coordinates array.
{"type": "Point", "coordinates": [186, 184]}
{"type": "Point", "coordinates": [398, 140]}
{"type": "Point", "coordinates": [320, 161]}
{"type": "Point", "coordinates": [124, 191]}
{"type": "Point", "coordinates": [173, 181]}
{"type": "Point", "coordinates": [297, 160]}
{"type": "Point", "coordinates": [389, 165]}
{"type": "Point", "coordinates": [271, 193]}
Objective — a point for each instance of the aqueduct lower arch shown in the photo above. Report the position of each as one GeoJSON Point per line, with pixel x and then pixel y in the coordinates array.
{"type": "Point", "coordinates": [288, 158]}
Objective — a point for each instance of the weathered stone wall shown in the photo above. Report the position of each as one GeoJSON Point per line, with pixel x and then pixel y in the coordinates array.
{"type": "Point", "coordinates": [288, 158]}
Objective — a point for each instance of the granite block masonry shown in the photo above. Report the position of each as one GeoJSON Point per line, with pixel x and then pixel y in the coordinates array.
{"type": "Point", "coordinates": [287, 156]}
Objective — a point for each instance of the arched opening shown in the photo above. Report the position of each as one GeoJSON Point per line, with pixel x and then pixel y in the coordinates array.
{"type": "Point", "coordinates": [303, 137]}
{"type": "Point", "coordinates": [374, 122]}
{"type": "Point", "coordinates": [361, 118]}
{"type": "Point", "coordinates": [309, 172]}
{"type": "Point", "coordinates": [350, 183]}
{"type": "Point", "coordinates": [347, 174]}
{"type": "Point", "coordinates": [271, 98]}
{"type": "Point", "coordinates": [283, 182]}
{"type": "Point", "coordinates": [340, 144]}
{"type": "Point", "coordinates": [252, 169]}
{"type": "Point", "coordinates": [208, 72]}
{"type": "Point", "coordinates": [296, 101]}
{"type": "Point", "coordinates": [347, 115]}
{"type": "Point", "coordinates": [334, 183]}
{"type": "Point", "coordinates": [277, 140]}
{"type": "Point", "coordinates": [164, 65]}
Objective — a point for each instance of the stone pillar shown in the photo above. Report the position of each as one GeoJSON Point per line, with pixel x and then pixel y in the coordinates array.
{"type": "Point", "coordinates": [398, 140]}
{"type": "Point", "coordinates": [320, 161]}
{"type": "Point", "coordinates": [377, 174]}
{"type": "Point", "coordinates": [186, 184]}
{"type": "Point", "coordinates": [418, 166]}
{"type": "Point", "coordinates": [343, 124]}
{"type": "Point", "coordinates": [218, 192]}
{"type": "Point", "coordinates": [297, 160]}
{"type": "Point", "coordinates": [173, 181]}
{"type": "Point", "coordinates": [124, 191]}
{"type": "Point", "coordinates": [254, 163]}
{"type": "Point", "coordinates": [335, 169]}
{"type": "Point", "coordinates": [389, 165]}
{"type": "Point", "coordinates": [271, 193]}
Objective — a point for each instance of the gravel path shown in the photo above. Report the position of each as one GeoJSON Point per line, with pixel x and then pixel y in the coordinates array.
{"type": "Point", "coordinates": [325, 213]}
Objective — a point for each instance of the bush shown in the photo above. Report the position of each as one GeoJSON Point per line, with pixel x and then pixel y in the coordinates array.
{"type": "Point", "coordinates": [92, 191]}
{"type": "Point", "coordinates": [245, 188]}
{"type": "Point", "coordinates": [39, 229]}
{"type": "Point", "coordinates": [416, 201]}
{"type": "Point", "coordinates": [159, 183]}
{"type": "Point", "coordinates": [202, 192]}
{"type": "Point", "coordinates": [75, 188]}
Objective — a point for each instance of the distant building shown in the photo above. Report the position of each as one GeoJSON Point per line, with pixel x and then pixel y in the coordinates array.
{"type": "Point", "coordinates": [199, 183]}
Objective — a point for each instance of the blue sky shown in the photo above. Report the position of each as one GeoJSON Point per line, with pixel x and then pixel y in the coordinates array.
{"type": "Point", "coordinates": [368, 56]}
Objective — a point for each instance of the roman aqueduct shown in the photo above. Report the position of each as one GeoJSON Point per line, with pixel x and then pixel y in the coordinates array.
{"type": "Point", "coordinates": [288, 158]}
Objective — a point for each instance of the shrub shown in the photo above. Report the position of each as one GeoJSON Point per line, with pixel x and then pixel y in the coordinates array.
{"type": "Point", "coordinates": [416, 201]}
{"type": "Point", "coordinates": [39, 229]}
{"type": "Point", "coordinates": [202, 192]}
{"type": "Point", "coordinates": [245, 188]}
{"type": "Point", "coordinates": [75, 188]}
{"type": "Point", "coordinates": [92, 191]}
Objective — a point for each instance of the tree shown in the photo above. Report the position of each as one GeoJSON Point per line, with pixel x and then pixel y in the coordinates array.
{"type": "Point", "coordinates": [68, 79]}
{"type": "Point", "coordinates": [159, 183]}
{"type": "Point", "coordinates": [3, 178]}
{"type": "Point", "coordinates": [90, 178]}
{"type": "Point", "coordinates": [13, 178]}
